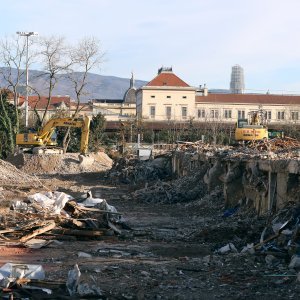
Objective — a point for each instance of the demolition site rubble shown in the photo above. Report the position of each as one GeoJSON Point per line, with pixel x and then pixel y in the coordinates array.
{"type": "Point", "coordinates": [198, 222]}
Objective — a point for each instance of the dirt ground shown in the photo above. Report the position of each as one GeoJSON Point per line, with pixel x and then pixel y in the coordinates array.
{"type": "Point", "coordinates": [169, 252]}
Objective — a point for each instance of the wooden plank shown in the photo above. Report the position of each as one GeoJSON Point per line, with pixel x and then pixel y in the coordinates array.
{"type": "Point", "coordinates": [83, 208]}
{"type": "Point", "coordinates": [83, 233]}
{"type": "Point", "coordinates": [46, 226]}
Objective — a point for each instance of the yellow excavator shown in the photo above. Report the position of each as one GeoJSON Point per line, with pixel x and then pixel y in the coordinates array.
{"type": "Point", "coordinates": [45, 138]}
{"type": "Point", "coordinates": [253, 128]}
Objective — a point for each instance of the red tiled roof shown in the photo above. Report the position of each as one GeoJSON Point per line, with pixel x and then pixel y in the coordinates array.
{"type": "Point", "coordinates": [42, 102]}
{"type": "Point", "coordinates": [249, 99]}
{"type": "Point", "coordinates": [167, 79]}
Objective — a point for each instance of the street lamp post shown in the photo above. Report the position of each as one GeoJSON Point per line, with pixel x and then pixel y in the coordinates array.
{"type": "Point", "coordinates": [27, 35]}
{"type": "Point", "coordinates": [131, 134]}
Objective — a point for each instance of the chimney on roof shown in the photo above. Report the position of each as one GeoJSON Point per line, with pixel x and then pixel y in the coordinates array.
{"type": "Point", "coordinates": [202, 91]}
{"type": "Point", "coordinates": [205, 90]}
{"type": "Point", "coordinates": [164, 69]}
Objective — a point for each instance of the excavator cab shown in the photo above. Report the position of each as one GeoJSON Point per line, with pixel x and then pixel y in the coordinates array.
{"type": "Point", "coordinates": [241, 123]}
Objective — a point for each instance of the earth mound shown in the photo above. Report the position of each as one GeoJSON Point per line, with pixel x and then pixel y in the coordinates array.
{"type": "Point", "coordinates": [11, 176]}
{"type": "Point", "coordinates": [68, 163]}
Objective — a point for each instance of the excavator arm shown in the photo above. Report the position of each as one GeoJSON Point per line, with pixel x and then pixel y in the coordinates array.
{"type": "Point", "coordinates": [85, 132]}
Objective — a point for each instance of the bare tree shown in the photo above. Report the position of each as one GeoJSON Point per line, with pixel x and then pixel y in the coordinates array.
{"type": "Point", "coordinates": [55, 59]}
{"type": "Point", "coordinates": [85, 56]}
{"type": "Point", "coordinates": [12, 56]}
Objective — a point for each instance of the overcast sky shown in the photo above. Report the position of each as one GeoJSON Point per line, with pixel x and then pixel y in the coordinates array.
{"type": "Point", "coordinates": [200, 39]}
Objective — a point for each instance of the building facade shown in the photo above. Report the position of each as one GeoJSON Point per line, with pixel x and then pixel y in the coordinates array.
{"type": "Point", "coordinates": [166, 97]}
{"type": "Point", "coordinates": [227, 108]}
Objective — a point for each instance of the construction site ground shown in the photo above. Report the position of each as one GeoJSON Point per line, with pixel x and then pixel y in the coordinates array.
{"type": "Point", "coordinates": [169, 251]}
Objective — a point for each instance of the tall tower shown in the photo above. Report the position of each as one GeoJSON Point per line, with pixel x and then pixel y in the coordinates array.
{"type": "Point", "coordinates": [237, 84]}
{"type": "Point", "coordinates": [132, 81]}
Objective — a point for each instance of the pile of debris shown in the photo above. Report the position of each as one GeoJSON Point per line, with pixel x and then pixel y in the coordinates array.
{"type": "Point", "coordinates": [26, 281]}
{"type": "Point", "coordinates": [275, 148]}
{"type": "Point", "coordinates": [55, 216]}
{"type": "Point", "coordinates": [275, 145]}
{"type": "Point", "coordinates": [183, 189]}
{"type": "Point", "coordinates": [202, 147]}
{"type": "Point", "coordinates": [10, 176]}
{"type": "Point", "coordinates": [134, 171]}
{"type": "Point", "coordinates": [49, 218]}
{"type": "Point", "coordinates": [279, 241]}
{"type": "Point", "coordinates": [68, 163]}
{"type": "Point", "coordinates": [281, 235]}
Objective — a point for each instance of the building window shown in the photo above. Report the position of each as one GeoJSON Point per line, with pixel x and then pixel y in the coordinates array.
{"type": "Point", "coordinates": [184, 97]}
{"type": "Point", "coordinates": [280, 115]}
{"type": "Point", "coordinates": [184, 112]}
{"type": "Point", "coordinates": [268, 115]}
{"type": "Point", "coordinates": [168, 97]}
{"type": "Point", "coordinates": [201, 113]}
{"type": "Point", "coordinates": [152, 96]}
{"type": "Point", "coordinates": [214, 113]}
{"type": "Point", "coordinates": [241, 114]}
{"type": "Point", "coordinates": [295, 115]}
{"type": "Point", "coordinates": [152, 112]}
{"type": "Point", "coordinates": [227, 114]}
{"type": "Point", "coordinates": [168, 112]}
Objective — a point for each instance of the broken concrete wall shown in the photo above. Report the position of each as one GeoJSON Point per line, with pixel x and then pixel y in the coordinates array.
{"type": "Point", "coordinates": [232, 183]}
{"type": "Point", "coordinates": [213, 174]}
{"type": "Point", "coordinates": [263, 184]}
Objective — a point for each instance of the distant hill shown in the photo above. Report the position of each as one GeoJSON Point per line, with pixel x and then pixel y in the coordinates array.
{"type": "Point", "coordinates": [98, 87]}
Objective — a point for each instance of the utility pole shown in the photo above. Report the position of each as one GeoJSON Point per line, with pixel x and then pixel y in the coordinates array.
{"type": "Point", "coordinates": [27, 35]}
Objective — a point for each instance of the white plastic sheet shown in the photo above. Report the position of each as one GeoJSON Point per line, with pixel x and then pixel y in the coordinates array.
{"type": "Point", "coordinates": [98, 202]}
{"type": "Point", "coordinates": [22, 271]}
{"type": "Point", "coordinates": [73, 280]}
{"type": "Point", "coordinates": [53, 201]}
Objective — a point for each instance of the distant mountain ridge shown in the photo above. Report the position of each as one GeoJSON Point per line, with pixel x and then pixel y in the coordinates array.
{"type": "Point", "coordinates": [98, 86]}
